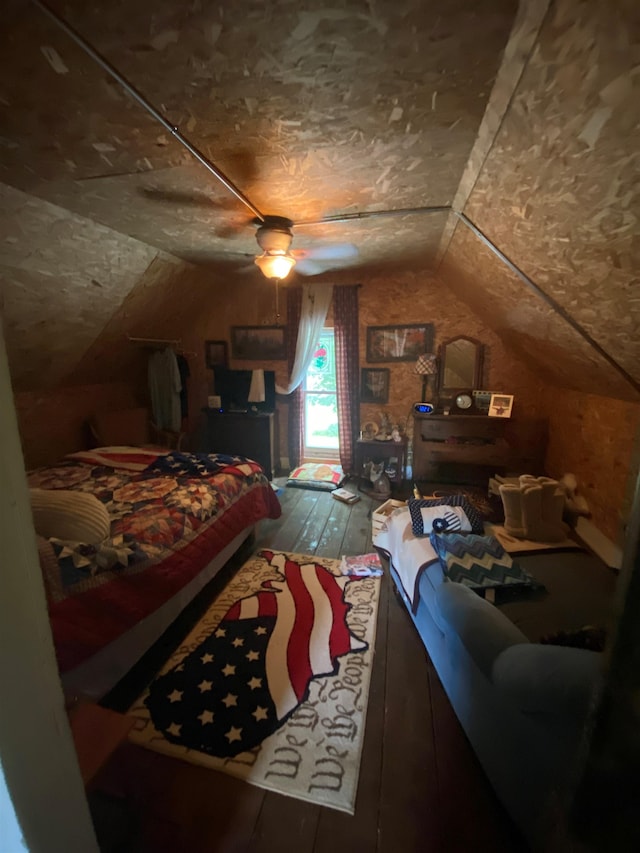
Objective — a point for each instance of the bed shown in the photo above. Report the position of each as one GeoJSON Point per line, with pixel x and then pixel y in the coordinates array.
{"type": "Point", "coordinates": [174, 519]}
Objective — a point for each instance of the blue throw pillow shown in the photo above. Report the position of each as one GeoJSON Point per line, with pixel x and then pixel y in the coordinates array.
{"type": "Point", "coordinates": [418, 522]}
{"type": "Point", "coordinates": [479, 562]}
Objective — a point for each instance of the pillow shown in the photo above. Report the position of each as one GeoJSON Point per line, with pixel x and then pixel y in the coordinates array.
{"type": "Point", "coordinates": [69, 515]}
{"type": "Point", "coordinates": [418, 521]}
{"type": "Point", "coordinates": [314, 475]}
{"type": "Point", "coordinates": [479, 562]}
{"type": "Point", "coordinates": [444, 519]}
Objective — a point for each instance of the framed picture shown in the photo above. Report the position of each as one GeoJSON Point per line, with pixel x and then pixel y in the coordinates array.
{"type": "Point", "coordinates": [215, 353]}
{"type": "Point", "coordinates": [500, 405]}
{"type": "Point", "coordinates": [374, 385]}
{"type": "Point", "coordinates": [258, 343]}
{"type": "Point", "coordinates": [399, 343]}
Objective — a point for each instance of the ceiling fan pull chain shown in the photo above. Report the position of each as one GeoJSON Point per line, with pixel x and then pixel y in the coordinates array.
{"type": "Point", "coordinates": [275, 281]}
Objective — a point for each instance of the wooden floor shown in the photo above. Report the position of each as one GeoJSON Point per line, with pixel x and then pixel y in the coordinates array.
{"type": "Point", "coordinates": [421, 788]}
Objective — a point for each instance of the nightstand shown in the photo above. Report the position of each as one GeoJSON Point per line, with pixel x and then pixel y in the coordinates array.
{"type": "Point", "coordinates": [392, 453]}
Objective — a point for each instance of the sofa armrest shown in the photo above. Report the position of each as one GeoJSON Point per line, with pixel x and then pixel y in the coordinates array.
{"type": "Point", "coordinates": [484, 631]}
{"type": "Point", "coordinates": [545, 679]}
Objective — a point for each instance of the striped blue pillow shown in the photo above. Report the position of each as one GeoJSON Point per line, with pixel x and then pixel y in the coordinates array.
{"type": "Point", "coordinates": [417, 520]}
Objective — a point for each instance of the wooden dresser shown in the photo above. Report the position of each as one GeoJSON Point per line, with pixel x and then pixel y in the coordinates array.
{"type": "Point", "coordinates": [467, 448]}
{"type": "Point", "coordinates": [455, 447]}
{"type": "Point", "coordinates": [245, 434]}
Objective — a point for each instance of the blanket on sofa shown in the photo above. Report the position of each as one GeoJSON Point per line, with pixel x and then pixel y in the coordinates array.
{"type": "Point", "coordinates": [409, 554]}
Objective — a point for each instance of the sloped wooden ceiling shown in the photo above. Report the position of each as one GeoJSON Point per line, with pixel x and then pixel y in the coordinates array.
{"type": "Point", "coordinates": [309, 109]}
{"type": "Point", "coordinates": [558, 193]}
{"type": "Point", "coordinates": [314, 110]}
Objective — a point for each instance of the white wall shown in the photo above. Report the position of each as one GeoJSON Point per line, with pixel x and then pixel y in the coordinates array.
{"type": "Point", "coordinates": [36, 747]}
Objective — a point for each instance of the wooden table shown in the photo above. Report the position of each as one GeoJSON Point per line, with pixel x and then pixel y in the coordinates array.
{"type": "Point", "coordinates": [392, 453]}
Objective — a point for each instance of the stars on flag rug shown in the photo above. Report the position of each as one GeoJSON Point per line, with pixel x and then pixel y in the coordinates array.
{"type": "Point", "coordinates": [272, 683]}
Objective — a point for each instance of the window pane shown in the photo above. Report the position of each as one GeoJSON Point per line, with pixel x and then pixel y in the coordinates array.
{"type": "Point", "coordinates": [321, 421]}
{"type": "Point", "coordinates": [321, 373]}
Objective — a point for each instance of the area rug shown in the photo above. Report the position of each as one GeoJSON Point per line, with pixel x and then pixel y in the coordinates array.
{"type": "Point", "coordinates": [272, 684]}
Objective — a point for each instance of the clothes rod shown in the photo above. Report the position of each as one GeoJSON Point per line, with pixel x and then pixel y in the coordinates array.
{"type": "Point", "coordinates": [154, 341]}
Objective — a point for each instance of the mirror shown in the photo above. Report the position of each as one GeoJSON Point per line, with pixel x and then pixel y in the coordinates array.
{"type": "Point", "coordinates": [460, 364]}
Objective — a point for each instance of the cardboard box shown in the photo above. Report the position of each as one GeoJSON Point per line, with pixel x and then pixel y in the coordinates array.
{"type": "Point", "coordinates": [380, 515]}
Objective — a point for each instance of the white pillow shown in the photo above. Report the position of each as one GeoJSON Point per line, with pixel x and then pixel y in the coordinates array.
{"type": "Point", "coordinates": [448, 519]}
{"type": "Point", "coordinates": [70, 515]}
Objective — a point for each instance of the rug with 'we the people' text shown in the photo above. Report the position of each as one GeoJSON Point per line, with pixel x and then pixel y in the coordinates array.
{"type": "Point", "coordinates": [272, 683]}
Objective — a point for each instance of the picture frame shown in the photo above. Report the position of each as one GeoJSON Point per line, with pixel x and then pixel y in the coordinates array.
{"type": "Point", "coordinates": [500, 405]}
{"type": "Point", "coordinates": [399, 343]}
{"type": "Point", "coordinates": [374, 384]}
{"type": "Point", "coordinates": [258, 343]}
{"type": "Point", "coordinates": [215, 354]}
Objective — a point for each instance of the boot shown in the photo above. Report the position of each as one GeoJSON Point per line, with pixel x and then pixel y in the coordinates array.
{"type": "Point", "coordinates": [542, 505]}
{"type": "Point", "coordinates": [512, 504]}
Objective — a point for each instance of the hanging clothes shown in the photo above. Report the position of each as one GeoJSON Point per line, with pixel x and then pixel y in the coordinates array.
{"type": "Point", "coordinates": [185, 373]}
{"type": "Point", "coordinates": [165, 387]}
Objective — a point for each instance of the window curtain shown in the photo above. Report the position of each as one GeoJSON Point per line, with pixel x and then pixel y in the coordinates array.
{"type": "Point", "coordinates": [294, 424]}
{"type": "Point", "coordinates": [346, 332]}
{"type": "Point", "coordinates": [314, 303]}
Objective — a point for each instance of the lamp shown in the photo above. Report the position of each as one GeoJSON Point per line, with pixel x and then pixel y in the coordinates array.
{"type": "Point", "coordinates": [426, 366]}
{"type": "Point", "coordinates": [274, 237]}
{"type": "Point", "coordinates": [275, 264]}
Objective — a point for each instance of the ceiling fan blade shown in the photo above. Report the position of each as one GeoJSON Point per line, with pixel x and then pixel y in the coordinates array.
{"type": "Point", "coordinates": [335, 252]}
{"type": "Point", "coordinates": [178, 197]}
{"type": "Point", "coordinates": [309, 267]}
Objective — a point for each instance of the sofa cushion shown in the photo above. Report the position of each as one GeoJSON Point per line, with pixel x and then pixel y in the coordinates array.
{"type": "Point", "coordinates": [422, 525]}
{"type": "Point", "coordinates": [556, 680]}
{"type": "Point", "coordinates": [483, 630]}
{"type": "Point", "coordinates": [479, 562]}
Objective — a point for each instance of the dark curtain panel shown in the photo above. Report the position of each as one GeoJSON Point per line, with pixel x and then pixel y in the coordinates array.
{"type": "Point", "coordinates": [346, 332]}
{"type": "Point", "coordinates": [294, 309]}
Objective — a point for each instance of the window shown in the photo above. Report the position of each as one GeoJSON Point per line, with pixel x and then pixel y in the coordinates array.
{"type": "Point", "coordinates": [320, 401]}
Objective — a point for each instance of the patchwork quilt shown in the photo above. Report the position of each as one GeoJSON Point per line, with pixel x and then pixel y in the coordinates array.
{"type": "Point", "coordinates": [170, 512]}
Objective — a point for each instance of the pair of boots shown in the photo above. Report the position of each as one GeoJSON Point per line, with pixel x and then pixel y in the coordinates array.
{"type": "Point", "coordinates": [533, 509]}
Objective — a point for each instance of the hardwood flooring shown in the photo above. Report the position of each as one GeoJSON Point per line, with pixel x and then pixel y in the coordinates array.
{"type": "Point", "coordinates": [421, 789]}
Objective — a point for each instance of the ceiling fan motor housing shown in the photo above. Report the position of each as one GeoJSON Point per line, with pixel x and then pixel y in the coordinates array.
{"type": "Point", "coordinates": [274, 234]}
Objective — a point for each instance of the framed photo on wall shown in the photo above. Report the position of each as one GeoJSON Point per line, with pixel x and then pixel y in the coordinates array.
{"type": "Point", "coordinates": [500, 405]}
{"type": "Point", "coordinates": [399, 343]}
{"type": "Point", "coordinates": [215, 354]}
{"type": "Point", "coordinates": [258, 343]}
{"type": "Point", "coordinates": [374, 385]}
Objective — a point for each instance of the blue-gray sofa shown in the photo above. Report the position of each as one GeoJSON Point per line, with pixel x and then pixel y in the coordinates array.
{"type": "Point", "coordinates": [523, 704]}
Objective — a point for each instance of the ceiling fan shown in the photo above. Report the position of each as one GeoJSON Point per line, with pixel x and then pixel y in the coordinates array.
{"type": "Point", "coordinates": [274, 234]}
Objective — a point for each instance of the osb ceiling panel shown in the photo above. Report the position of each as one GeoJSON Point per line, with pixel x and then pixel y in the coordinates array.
{"type": "Point", "coordinates": [311, 110]}
{"type": "Point", "coordinates": [525, 322]}
{"type": "Point", "coordinates": [559, 193]}
{"type": "Point", "coordinates": [61, 278]}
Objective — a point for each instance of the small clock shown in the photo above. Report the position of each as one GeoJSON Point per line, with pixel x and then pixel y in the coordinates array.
{"type": "Point", "coordinates": [464, 401]}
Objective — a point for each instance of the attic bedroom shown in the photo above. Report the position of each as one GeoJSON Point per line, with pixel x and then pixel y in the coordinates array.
{"type": "Point", "coordinates": [470, 166]}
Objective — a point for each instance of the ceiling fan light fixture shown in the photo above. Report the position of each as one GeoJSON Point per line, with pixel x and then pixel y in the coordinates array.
{"type": "Point", "coordinates": [275, 264]}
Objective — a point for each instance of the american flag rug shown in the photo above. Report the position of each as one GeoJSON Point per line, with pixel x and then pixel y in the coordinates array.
{"type": "Point", "coordinates": [271, 685]}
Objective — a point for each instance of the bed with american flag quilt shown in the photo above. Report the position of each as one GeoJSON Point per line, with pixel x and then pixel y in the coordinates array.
{"type": "Point", "coordinates": [176, 518]}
